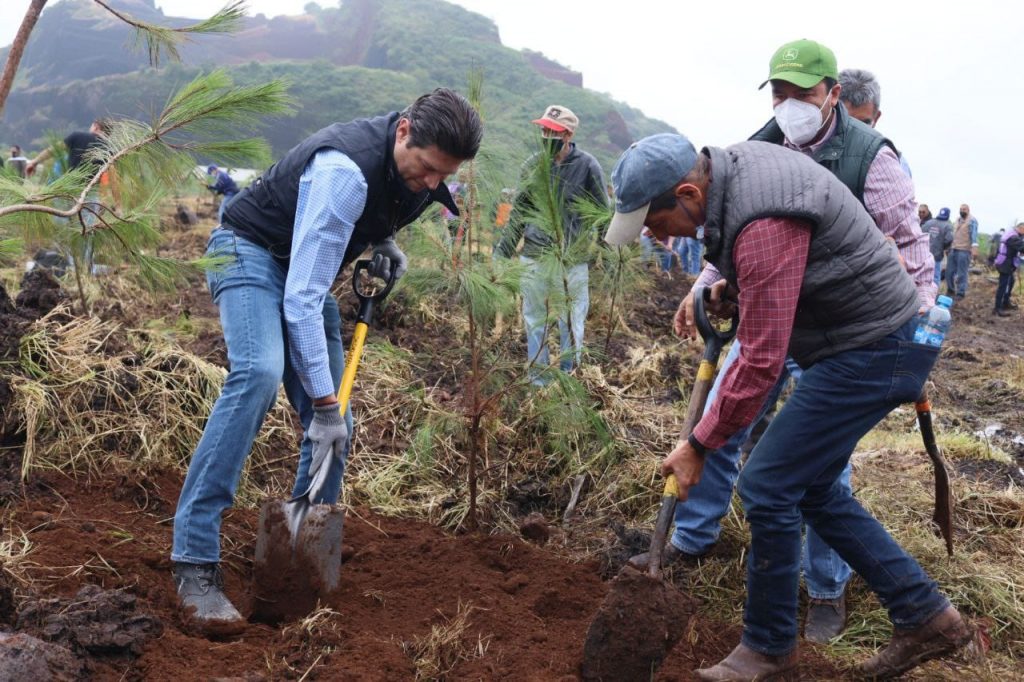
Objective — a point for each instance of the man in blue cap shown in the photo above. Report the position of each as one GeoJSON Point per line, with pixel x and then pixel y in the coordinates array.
{"type": "Point", "coordinates": [225, 186]}
{"type": "Point", "coordinates": [808, 118]}
{"type": "Point", "coordinates": [815, 279]}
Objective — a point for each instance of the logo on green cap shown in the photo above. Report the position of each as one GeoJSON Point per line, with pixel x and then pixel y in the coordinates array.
{"type": "Point", "coordinates": [816, 62]}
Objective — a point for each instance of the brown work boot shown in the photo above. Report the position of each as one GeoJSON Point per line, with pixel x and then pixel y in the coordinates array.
{"type": "Point", "coordinates": [826, 618]}
{"type": "Point", "coordinates": [671, 555]}
{"type": "Point", "coordinates": [746, 665]}
{"type": "Point", "coordinates": [943, 634]}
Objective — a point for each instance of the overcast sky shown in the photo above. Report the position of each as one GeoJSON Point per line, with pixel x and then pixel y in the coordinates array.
{"type": "Point", "coordinates": [952, 93]}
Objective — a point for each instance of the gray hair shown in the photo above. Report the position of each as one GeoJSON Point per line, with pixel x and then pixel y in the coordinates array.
{"type": "Point", "coordinates": [859, 88]}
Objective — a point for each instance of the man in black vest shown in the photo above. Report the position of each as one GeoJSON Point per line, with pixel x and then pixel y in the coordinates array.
{"type": "Point", "coordinates": [816, 280]}
{"type": "Point", "coordinates": [809, 118]}
{"type": "Point", "coordinates": [343, 189]}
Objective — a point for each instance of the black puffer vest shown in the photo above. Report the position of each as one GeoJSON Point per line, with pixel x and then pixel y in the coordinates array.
{"type": "Point", "coordinates": [264, 212]}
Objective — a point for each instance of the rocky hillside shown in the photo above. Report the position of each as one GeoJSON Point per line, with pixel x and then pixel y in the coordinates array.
{"type": "Point", "coordinates": [363, 58]}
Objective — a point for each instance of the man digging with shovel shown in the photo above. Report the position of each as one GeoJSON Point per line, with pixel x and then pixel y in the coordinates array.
{"type": "Point", "coordinates": [815, 278]}
{"type": "Point", "coordinates": [343, 189]}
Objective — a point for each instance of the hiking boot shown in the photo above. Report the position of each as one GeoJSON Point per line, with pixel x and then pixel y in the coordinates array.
{"type": "Point", "coordinates": [202, 601]}
{"type": "Point", "coordinates": [746, 665]}
{"type": "Point", "coordinates": [826, 618]}
{"type": "Point", "coordinates": [943, 634]}
{"type": "Point", "coordinates": [1001, 312]}
{"type": "Point", "coordinates": [671, 555]}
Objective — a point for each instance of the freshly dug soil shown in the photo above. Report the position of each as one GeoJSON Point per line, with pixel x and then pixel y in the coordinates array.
{"type": "Point", "coordinates": [528, 609]}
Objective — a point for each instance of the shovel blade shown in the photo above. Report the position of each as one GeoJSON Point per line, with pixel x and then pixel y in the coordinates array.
{"type": "Point", "coordinates": [639, 622]}
{"type": "Point", "coordinates": [293, 573]}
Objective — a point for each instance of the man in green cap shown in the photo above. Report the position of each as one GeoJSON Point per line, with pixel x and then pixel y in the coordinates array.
{"type": "Point", "coordinates": [809, 118]}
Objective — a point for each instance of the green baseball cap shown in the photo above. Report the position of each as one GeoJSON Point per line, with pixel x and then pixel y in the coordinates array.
{"type": "Point", "coordinates": [803, 63]}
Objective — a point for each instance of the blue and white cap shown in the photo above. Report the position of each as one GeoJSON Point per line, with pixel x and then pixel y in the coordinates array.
{"type": "Point", "coordinates": [645, 171]}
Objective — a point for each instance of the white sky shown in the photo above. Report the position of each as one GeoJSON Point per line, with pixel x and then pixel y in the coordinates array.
{"type": "Point", "coordinates": [952, 91]}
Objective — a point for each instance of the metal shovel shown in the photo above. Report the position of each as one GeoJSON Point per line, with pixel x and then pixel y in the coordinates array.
{"type": "Point", "coordinates": [714, 340]}
{"type": "Point", "coordinates": [298, 543]}
{"type": "Point", "coordinates": [642, 616]}
{"type": "Point", "coordinates": [943, 514]}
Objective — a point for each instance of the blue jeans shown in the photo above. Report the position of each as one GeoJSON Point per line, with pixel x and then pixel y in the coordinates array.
{"type": "Point", "coordinates": [223, 205]}
{"type": "Point", "coordinates": [544, 301]}
{"type": "Point", "coordinates": [698, 521]}
{"type": "Point", "coordinates": [793, 475]}
{"type": "Point", "coordinates": [653, 250]}
{"type": "Point", "coordinates": [694, 253]}
{"type": "Point", "coordinates": [249, 293]}
{"type": "Point", "coordinates": [1003, 290]}
{"type": "Point", "coordinates": [938, 271]}
{"type": "Point", "coordinates": [956, 272]}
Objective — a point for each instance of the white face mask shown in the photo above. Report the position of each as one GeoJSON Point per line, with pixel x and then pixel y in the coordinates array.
{"type": "Point", "coordinates": [800, 121]}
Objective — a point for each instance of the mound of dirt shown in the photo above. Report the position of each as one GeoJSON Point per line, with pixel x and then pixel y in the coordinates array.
{"type": "Point", "coordinates": [96, 621]}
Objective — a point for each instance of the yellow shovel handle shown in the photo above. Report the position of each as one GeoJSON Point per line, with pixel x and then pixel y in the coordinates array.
{"type": "Point", "coordinates": [355, 351]}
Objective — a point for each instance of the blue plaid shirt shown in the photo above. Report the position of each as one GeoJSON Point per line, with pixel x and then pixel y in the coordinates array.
{"type": "Point", "coordinates": [332, 196]}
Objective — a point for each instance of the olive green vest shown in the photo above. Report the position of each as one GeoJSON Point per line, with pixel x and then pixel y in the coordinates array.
{"type": "Point", "coordinates": [848, 153]}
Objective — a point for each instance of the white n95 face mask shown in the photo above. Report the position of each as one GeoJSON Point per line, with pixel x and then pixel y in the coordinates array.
{"type": "Point", "coordinates": [800, 121]}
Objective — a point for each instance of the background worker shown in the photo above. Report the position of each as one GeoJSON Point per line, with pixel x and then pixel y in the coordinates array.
{"type": "Point", "coordinates": [574, 174]}
{"type": "Point", "coordinates": [224, 185]}
{"type": "Point", "coordinates": [940, 239]}
{"type": "Point", "coordinates": [965, 247]}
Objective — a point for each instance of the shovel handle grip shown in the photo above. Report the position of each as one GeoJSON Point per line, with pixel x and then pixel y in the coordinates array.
{"type": "Point", "coordinates": [377, 296]}
{"type": "Point", "coordinates": [714, 338]}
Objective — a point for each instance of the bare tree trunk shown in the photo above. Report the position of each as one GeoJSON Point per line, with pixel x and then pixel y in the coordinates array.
{"type": "Point", "coordinates": [17, 49]}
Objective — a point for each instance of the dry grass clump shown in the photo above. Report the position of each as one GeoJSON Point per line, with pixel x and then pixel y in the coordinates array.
{"type": "Point", "coordinates": [985, 577]}
{"type": "Point", "coordinates": [15, 548]}
{"type": "Point", "coordinates": [539, 441]}
{"type": "Point", "coordinates": [317, 636]}
{"type": "Point", "coordinates": [91, 394]}
{"type": "Point", "coordinates": [436, 654]}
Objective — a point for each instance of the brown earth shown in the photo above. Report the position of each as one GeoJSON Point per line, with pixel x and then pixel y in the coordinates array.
{"type": "Point", "coordinates": [529, 610]}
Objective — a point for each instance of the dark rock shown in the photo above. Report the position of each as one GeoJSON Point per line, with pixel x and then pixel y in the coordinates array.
{"type": "Point", "coordinates": [23, 657]}
{"type": "Point", "coordinates": [186, 216]}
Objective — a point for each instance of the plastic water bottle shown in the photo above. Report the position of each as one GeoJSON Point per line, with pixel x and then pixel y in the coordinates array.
{"type": "Point", "coordinates": [933, 327]}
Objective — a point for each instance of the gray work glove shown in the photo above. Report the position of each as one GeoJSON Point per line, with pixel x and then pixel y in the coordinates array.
{"type": "Point", "coordinates": [329, 433]}
{"type": "Point", "coordinates": [384, 254]}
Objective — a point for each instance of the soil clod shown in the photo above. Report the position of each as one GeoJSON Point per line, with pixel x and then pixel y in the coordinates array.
{"type": "Point", "coordinates": [95, 620]}
{"type": "Point", "coordinates": [639, 622]}
{"type": "Point", "coordinates": [23, 657]}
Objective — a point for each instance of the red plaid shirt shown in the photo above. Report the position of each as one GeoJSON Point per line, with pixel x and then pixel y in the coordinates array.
{"type": "Point", "coordinates": [770, 256]}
